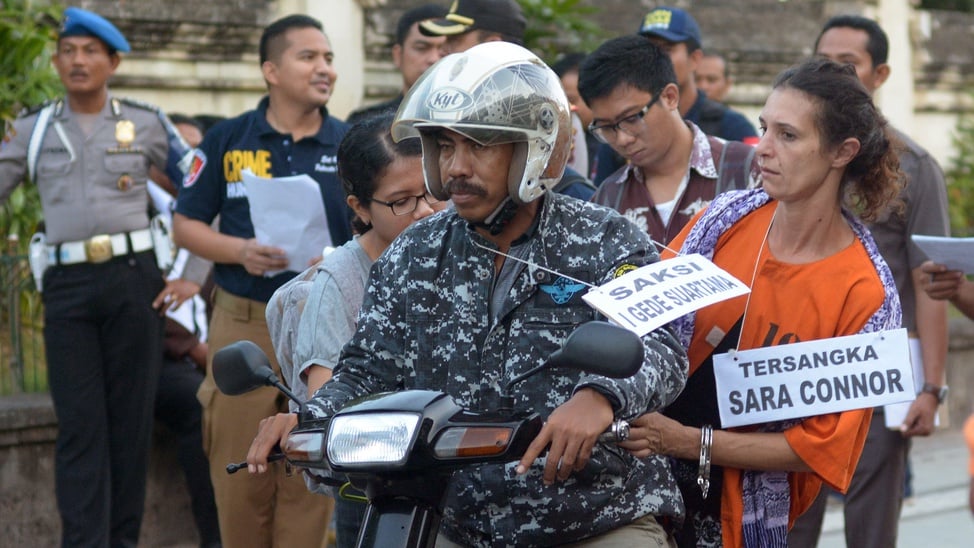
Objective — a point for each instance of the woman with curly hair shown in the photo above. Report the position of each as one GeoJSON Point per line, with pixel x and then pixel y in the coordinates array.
{"type": "Point", "coordinates": [827, 161]}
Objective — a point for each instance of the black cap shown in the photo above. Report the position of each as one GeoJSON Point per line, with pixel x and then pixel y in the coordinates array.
{"type": "Point", "coordinates": [500, 16]}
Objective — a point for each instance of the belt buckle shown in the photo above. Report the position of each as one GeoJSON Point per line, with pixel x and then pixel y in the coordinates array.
{"type": "Point", "coordinates": [98, 249]}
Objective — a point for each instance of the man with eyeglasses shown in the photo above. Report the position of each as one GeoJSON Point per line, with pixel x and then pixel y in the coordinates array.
{"type": "Point", "coordinates": [675, 169]}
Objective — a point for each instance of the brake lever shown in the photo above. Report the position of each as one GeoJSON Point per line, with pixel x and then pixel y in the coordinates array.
{"type": "Point", "coordinates": [234, 467]}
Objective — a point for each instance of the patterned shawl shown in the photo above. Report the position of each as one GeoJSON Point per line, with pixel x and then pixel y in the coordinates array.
{"type": "Point", "coordinates": [767, 495]}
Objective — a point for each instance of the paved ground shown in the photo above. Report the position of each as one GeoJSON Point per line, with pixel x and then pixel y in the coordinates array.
{"type": "Point", "coordinates": [938, 515]}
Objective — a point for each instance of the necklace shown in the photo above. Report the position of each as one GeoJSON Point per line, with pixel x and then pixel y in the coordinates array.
{"type": "Point", "coordinates": [754, 276]}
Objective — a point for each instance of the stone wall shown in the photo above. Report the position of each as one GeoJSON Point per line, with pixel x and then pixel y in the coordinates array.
{"type": "Point", "coordinates": [190, 56]}
{"type": "Point", "coordinates": [761, 37]}
{"type": "Point", "coordinates": [28, 511]}
{"type": "Point", "coordinates": [197, 57]}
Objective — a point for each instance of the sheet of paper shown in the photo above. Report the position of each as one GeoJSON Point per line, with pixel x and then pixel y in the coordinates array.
{"type": "Point", "coordinates": [288, 212]}
{"type": "Point", "coordinates": [896, 413]}
{"type": "Point", "coordinates": [956, 253]}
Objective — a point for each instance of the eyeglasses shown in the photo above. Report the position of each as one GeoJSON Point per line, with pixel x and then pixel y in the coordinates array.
{"type": "Point", "coordinates": [405, 206]}
{"type": "Point", "coordinates": [630, 124]}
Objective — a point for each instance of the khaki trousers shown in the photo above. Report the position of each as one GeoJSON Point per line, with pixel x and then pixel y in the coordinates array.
{"type": "Point", "coordinates": [259, 510]}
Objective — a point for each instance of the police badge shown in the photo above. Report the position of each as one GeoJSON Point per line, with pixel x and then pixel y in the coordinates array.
{"type": "Point", "coordinates": [125, 133]}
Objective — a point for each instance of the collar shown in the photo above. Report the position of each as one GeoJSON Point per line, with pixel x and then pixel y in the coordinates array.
{"type": "Point", "coordinates": [111, 109]}
{"type": "Point", "coordinates": [701, 158]}
{"type": "Point", "coordinates": [527, 235]}
{"type": "Point", "coordinates": [535, 223]}
{"type": "Point", "coordinates": [265, 128]}
{"type": "Point", "coordinates": [701, 155]}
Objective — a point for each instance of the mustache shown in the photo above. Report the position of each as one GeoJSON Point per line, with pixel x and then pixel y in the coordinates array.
{"type": "Point", "coordinates": [462, 185]}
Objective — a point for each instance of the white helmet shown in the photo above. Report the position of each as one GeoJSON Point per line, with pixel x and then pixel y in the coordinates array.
{"type": "Point", "coordinates": [493, 93]}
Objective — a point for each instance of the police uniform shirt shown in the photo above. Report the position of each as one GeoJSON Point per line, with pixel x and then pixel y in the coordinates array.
{"type": "Point", "coordinates": [94, 184]}
{"type": "Point", "coordinates": [214, 184]}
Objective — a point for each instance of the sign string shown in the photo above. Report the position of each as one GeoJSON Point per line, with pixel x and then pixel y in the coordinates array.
{"type": "Point", "coordinates": [754, 275]}
{"type": "Point", "coordinates": [535, 265]}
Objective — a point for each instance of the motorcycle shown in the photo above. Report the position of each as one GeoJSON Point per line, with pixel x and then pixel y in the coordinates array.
{"type": "Point", "coordinates": [401, 448]}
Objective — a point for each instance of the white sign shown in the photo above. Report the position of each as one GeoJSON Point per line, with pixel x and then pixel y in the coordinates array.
{"type": "Point", "coordinates": [813, 378]}
{"type": "Point", "coordinates": [895, 413]}
{"type": "Point", "coordinates": [659, 293]}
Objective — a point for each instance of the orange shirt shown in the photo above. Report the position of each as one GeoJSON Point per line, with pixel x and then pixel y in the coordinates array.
{"type": "Point", "coordinates": [789, 303]}
{"type": "Point", "coordinates": [969, 436]}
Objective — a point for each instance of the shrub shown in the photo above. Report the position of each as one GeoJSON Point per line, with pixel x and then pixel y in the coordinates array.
{"type": "Point", "coordinates": [28, 31]}
{"type": "Point", "coordinates": [960, 178]}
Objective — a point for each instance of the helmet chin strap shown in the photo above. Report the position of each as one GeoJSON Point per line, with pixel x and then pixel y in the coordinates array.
{"type": "Point", "coordinates": [498, 219]}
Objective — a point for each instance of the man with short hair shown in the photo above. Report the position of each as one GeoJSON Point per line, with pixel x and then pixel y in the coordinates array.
{"type": "Point", "coordinates": [876, 493]}
{"type": "Point", "coordinates": [460, 303]}
{"type": "Point", "coordinates": [674, 169]}
{"type": "Point", "coordinates": [676, 32]}
{"type": "Point", "coordinates": [89, 154]}
{"type": "Point", "coordinates": [412, 53]}
{"type": "Point", "coordinates": [289, 133]}
{"type": "Point", "coordinates": [712, 76]}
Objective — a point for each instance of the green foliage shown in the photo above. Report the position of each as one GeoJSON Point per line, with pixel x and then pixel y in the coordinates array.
{"type": "Point", "coordinates": [960, 178]}
{"type": "Point", "coordinates": [28, 31]}
{"type": "Point", "coordinates": [952, 5]}
{"type": "Point", "coordinates": [560, 26]}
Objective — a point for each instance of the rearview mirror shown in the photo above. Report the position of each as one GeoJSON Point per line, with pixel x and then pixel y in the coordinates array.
{"type": "Point", "coordinates": [602, 349]}
{"type": "Point", "coordinates": [242, 367]}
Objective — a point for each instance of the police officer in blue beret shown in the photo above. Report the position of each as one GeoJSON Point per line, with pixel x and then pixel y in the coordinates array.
{"type": "Point", "coordinates": [89, 154]}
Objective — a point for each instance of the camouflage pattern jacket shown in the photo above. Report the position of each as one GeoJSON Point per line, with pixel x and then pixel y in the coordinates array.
{"type": "Point", "coordinates": [426, 324]}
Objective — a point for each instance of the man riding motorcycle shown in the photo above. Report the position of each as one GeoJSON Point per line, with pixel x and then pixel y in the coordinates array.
{"type": "Point", "coordinates": [467, 299]}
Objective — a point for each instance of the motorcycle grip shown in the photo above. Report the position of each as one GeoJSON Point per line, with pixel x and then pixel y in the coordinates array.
{"type": "Point", "coordinates": [235, 467]}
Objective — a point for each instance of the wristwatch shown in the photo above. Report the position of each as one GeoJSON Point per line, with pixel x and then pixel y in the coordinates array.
{"type": "Point", "coordinates": [939, 392]}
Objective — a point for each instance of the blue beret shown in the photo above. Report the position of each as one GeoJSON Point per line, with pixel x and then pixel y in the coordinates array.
{"type": "Point", "coordinates": [79, 22]}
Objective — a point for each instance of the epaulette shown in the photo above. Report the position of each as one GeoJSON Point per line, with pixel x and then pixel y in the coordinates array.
{"type": "Point", "coordinates": [139, 104]}
{"type": "Point", "coordinates": [27, 111]}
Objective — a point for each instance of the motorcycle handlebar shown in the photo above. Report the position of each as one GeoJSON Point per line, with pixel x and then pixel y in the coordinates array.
{"type": "Point", "coordinates": [235, 467]}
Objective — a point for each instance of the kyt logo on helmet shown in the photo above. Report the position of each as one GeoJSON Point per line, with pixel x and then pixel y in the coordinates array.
{"type": "Point", "coordinates": [449, 100]}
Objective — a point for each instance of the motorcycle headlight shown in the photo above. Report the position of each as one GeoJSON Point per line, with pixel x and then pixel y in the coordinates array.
{"type": "Point", "coordinates": [371, 438]}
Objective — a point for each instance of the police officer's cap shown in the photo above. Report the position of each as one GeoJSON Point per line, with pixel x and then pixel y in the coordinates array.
{"type": "Point", "coordinates": [79, 22]}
